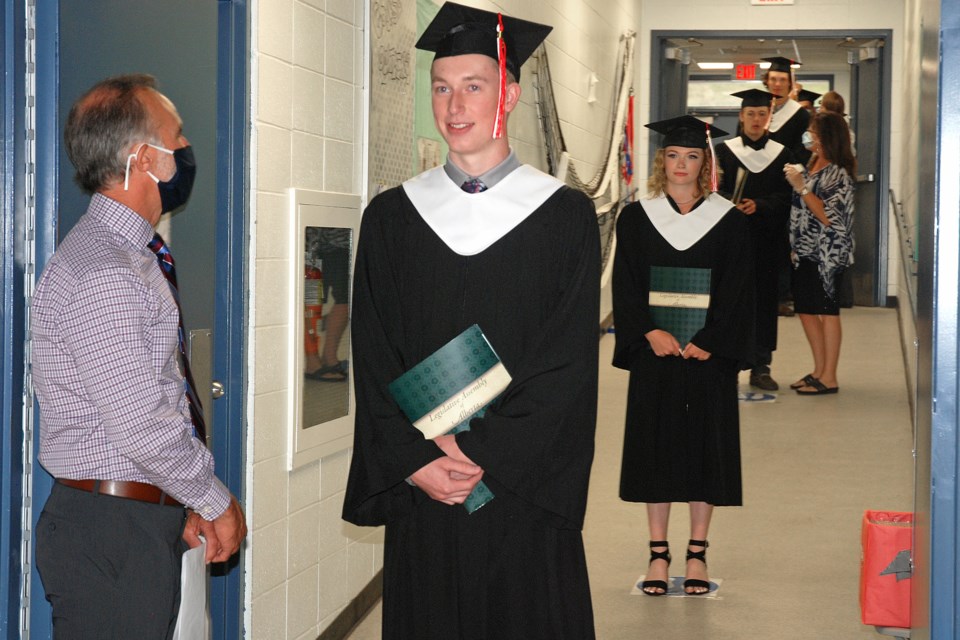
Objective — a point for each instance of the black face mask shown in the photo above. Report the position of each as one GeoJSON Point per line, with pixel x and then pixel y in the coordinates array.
{"type": "Point", "coordinates": [175, 192]}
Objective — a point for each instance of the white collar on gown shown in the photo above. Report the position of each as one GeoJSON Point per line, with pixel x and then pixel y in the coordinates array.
{"type": "Point", "coordinates": [755, 160]}
{"type": "Point", "coordinates": [468, 223]}
{"type": "Point", "coordinates": [684, 231]}
{"type": "Point", "coordinates": [783, 114]}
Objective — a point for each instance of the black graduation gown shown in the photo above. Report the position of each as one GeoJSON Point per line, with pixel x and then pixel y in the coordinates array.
{"type": "Point", "coordinates": [790, 135]}
{"type": "Point", "coordinates": [769, 227]}
{"type": "Point", "coordinates": [515, 568]}
{"type": "Point", "coordinates": [682, 438]}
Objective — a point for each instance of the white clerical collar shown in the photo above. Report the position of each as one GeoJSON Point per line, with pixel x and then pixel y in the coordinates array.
{"type": "Point", "coordinates": [755, 160]}
{"type": "Point", "coordinates": [468, 223]}
{"type": "Point", "coordinates": [783, 114]}
{"type": "Point", "coordinates": [684, 231]}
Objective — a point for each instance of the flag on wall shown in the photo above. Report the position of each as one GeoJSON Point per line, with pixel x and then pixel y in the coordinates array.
{"type": "Point", "coordinates": [626, 167]}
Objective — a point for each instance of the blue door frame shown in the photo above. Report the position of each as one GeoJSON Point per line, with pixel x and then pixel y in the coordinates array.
{"type": "Point", "coordinates": [939, 218]}
{"type": "Point", "coordinates": [11, 319]}
{"type": "Point", "coordinates": [226, 602]}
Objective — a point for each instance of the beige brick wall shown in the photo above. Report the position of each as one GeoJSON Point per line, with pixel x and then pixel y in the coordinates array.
{"type": "Point", "coordinates": [304, 564]}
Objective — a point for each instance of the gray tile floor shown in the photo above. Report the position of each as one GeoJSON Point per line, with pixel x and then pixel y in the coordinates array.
{"type": "Point", "coordinates": [789, 558]}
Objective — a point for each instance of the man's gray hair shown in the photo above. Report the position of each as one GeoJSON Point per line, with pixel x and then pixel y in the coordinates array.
{"type": "Point", "coordinates": [102, 126]}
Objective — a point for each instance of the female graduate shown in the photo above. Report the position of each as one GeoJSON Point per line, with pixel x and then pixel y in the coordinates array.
{"type": "Point", "coordinates": [683, 310]}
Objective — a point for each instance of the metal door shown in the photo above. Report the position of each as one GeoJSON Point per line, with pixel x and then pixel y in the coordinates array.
{"type": "Point", "coordinates": [668, 84]}
{"type": "Point", "coordinates": [869, 272]}
{"type": "Point", "coordinates": [197, 49]}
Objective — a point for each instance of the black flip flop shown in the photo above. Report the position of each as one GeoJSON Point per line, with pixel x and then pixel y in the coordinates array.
{"type": "Point", "coordinates": [333, 373]}
{"type": "Point", "coordinates": [805, 381]}
{"type": "Point", "coordinates": [821, 389]}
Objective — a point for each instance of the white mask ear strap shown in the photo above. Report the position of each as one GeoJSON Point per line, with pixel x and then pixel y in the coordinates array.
{"type": "Point", "coordinates": [164, 149]}
{"type": "Point", "coordinates": [126, 174]}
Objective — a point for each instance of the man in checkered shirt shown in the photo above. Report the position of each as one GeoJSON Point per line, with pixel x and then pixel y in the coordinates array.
{"type": "Point", "coordinates": [134, 486]}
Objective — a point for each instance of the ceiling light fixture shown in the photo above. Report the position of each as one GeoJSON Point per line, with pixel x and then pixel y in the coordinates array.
{"type": "Point", "coordinates": [712, 66]}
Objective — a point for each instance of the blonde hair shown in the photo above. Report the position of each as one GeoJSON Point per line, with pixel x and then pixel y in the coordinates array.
{"type": "Point", "coordinates": [657, 181]}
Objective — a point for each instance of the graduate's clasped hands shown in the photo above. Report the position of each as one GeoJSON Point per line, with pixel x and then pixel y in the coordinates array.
{"type": "Point", "coordinates": [664, 344]}
{"type": "Point", "coordinates": [450, 478]}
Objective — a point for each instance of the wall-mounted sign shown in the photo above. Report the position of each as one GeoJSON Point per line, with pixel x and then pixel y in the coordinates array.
{"type": "Point", "coordinates": [746, 72]}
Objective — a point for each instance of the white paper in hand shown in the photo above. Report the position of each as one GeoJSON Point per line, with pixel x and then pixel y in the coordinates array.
{"type": "Point", "coordinates": [192, 621]}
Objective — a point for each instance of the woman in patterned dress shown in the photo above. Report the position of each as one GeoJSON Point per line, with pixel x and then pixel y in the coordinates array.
{"type": "Point", "coordinates": [821, 239]}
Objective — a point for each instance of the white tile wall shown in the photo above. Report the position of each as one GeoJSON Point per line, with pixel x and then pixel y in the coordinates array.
{"type": "Point", "coordinates": [340, 49]}
{"type": "Point", "coordinates": [268, 613]}
{"type": "Point", "coordinates": [308, 37]}
{"type": "Point", "coordinates": [308, 101]}
{"type": "Point", "coordinates": [275, 21]}
{"type": "Point", "coordinates": [308, 79]}
{"type": "Point", "coordinates": [273, 102]}
{"type": "Point", "coordinates": [270, 570]}
{"type": "Point", "coordinates": [303, 602]}
{"type": "Point", "coordinates": [308, 161]}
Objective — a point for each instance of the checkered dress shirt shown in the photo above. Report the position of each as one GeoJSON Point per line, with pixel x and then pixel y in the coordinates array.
{"type": "Point", "coordinates": [105, 368]}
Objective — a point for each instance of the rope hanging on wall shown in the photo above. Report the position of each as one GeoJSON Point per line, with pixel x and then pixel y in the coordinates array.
{"type": "Point", "coordinates": [605, 185]}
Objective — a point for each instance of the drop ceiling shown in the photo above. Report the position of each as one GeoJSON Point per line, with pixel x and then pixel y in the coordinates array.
{"type": "Point", "coordinates": [818, 55]}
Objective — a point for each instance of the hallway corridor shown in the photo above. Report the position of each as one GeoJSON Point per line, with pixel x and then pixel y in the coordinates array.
{"type": "Point", "coordinates": [790, 557]}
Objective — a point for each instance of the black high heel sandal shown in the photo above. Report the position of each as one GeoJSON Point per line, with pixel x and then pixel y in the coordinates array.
{"type": "Point", "coordinates": [693, 583]}
{"type": "Point", "coordinates": [657, 555]}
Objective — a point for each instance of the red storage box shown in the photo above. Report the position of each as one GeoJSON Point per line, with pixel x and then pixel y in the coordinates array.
{"type": "Point", "coordinates": [885, 569]}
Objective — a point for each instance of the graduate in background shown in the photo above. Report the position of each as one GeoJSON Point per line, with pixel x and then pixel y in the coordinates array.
{"type": "Point", "coordinates": [787, 125]}
{"type": "Point", "coordinates": [806, 98]}
{"type": "Point", "coordinates": [482, 239]}
{"type": "Point", "coordinates": [789, 119]}
{"type": "Point", "coordinates": [752, 174]}
{"type": "Point", "coordinates": [682, 440]}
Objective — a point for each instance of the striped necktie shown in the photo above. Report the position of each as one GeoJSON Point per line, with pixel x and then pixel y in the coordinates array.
{"type": "Point", "coordinates": [473, 185]}
{"type": "Point", "coordinates": [165, 260]}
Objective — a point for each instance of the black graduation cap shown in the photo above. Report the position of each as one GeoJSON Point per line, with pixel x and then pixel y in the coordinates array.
{"type": "Point", "coordinates": [754, 98]}
{"type": "Point", "coordinates": [458, 30]}
{"type": "Point", "coordinates": [685, 131]}
{"type": "Point", "coordinates": [809, 96]}
{"type": "Point", "coordinates": [779, 63]}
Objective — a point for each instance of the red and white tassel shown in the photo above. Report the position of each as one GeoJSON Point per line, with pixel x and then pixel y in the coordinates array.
{"type": "Point", "coordinates": [714, 181]}
{"type": "Point", "coordinates": [502, 64]}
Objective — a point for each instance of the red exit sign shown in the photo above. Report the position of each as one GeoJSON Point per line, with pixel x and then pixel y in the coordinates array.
{"type": "Point", "coordinates": [746, 72]}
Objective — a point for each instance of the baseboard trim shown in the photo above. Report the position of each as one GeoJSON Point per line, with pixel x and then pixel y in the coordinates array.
{"type": "Point", "coordinates": [354, 612]}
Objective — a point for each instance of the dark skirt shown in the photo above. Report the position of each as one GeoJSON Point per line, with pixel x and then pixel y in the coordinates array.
{"type": "Point", "coordinates": [682, 439]}
{"type": "Point", "coordinates": [809, 296]}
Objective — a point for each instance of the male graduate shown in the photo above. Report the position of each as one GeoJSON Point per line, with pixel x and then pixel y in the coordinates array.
{"type": "Point", "coordinates": [481, 240]}
{"type": "Point", "coordinates": [789, 119]}
{"type": "Point", "coordinates": [806, 98]}
{"type": "Point", "coordinates": [752, 166]}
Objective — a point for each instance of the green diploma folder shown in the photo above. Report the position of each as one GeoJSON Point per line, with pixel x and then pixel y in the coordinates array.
{"type": "Point", "coordinates": [444, 392]}
{"type": "Point", "coordinates": [679, 299]}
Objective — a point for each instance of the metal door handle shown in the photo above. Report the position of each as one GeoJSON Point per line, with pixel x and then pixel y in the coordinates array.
{"type": "Point", "coordinates": [869, 177]}
{"type": "Point", "coordinates": [217, 390]}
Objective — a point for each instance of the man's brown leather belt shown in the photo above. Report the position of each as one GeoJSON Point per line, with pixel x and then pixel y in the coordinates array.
{"type": "Point", "coordinates": [122, 489]}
